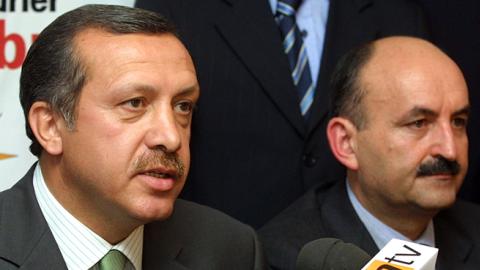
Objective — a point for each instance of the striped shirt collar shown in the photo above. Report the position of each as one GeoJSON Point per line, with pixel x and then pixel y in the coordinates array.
{"type": "Point", "coordinates": [382, 233]}
{"type": "Point", "coordinates": [82, 248]}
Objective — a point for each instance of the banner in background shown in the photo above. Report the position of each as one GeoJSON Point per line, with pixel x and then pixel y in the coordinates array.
{"type": "Point", "coordinates": [20, 23]}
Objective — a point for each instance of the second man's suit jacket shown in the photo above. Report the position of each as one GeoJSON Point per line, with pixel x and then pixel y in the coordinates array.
{"type": "Point", "coordinates": [194, 237]}
{"type": "Point", "coordinates": [252, 152]}
{"type": "Point", "coordinates": [327, 212]}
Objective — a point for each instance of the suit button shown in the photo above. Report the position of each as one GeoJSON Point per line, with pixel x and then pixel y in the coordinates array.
{"type": "Point", "coordinates": [309, 160]}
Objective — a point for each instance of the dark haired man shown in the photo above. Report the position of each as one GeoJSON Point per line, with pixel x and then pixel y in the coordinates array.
{"type": "Point", "coordinates": [108, 93]}
{"type": "Point", "coordinates": [400, 110]}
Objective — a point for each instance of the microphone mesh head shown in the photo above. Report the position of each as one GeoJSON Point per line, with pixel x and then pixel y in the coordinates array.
{"type": "Point", "coordinates": [331, 254]}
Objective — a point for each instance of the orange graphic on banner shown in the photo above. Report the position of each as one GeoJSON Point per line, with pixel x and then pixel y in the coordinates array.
{"type": "Point", "coordinates": [380, 265]}
{"type": "Point", "coordinates": [5, 156]}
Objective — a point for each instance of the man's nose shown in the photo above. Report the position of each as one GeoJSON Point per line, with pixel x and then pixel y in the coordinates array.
{"type": "Point", "coordinates": [445, 142]}
{"type": "Point", "coordinates": [163, 131]}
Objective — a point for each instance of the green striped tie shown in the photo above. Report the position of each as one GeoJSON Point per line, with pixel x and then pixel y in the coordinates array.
{"type": "Point", "coordinates": [114, 260]}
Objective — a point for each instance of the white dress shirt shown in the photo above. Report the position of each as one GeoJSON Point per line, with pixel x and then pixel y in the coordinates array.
{"type": "Point", "coordinates": [311, 18]}
{"type": "Point", "coordinates": [82, 248]}
{"type": "Point", "coordinates": [382, 233]}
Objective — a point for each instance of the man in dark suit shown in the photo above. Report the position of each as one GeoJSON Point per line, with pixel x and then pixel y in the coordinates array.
{"type": "Point", "coordinates": [400, 112]}
{"type": "Point", "coordinates": [251, 146]}
{"type": "Point", "coordinates": [108, 94]}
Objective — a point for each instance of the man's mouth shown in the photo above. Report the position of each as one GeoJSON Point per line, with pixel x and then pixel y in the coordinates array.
{"type": "Point", "coordinates": [163, 174]}
{"type": "Point", "coordinates": [160, 165]}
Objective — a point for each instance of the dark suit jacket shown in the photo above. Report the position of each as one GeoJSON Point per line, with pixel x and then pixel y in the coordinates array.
{"type": "Point", "coordinates": [194, 237]}
{"type": "Point", "coordinates": [327, 212]}
{"type": "Point", "coordinates": [251, 148]}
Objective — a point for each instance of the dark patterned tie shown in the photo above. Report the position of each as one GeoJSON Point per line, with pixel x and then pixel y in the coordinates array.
{"type": "Point", "coordinates": [296, 52]}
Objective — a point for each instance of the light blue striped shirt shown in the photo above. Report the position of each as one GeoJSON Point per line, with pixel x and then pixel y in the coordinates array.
{"type": "Point", "coordinates": [382, 233]}
{"type": "Point", "coordinates": [311, 18]}
{"type": "Point", "coordinates": [82, 248]}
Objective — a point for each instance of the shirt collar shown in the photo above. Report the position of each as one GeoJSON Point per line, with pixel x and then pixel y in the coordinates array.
{"type": "Point", "coordinates": [382, 233]}
{"type": "Point", "coordinates": [81, 248]}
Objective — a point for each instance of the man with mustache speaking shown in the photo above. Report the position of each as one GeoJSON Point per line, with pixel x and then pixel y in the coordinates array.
{"type": "Point", "coordinates": [399, 117]}
{"type": "Point", "coordinates": [108, 94]}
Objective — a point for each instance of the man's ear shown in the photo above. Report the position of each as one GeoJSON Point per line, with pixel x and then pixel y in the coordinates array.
{"type": "Point", "coordinates": [45, 124]}
{"type": "Point", "coordinates": [341, 137]}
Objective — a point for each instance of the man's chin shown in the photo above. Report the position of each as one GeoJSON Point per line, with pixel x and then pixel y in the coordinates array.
{"type": "Point", "coordinates": [438, 202]}
{"type": "Point", "coordinates": [153, 212]}
{"type": "Point", "coordinates": [438, 190]}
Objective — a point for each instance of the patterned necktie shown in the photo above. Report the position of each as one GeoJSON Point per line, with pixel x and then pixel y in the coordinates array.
{"type": "Point", "coordinates": [296, 52]}
{"type": "Point", "coordinates": [114, 260]}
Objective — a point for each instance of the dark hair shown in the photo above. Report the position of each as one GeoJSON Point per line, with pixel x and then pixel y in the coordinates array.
{"type": "Point", "coordinates": [53, 71]}
{"type": "Point", "coordinates": [347, 92]}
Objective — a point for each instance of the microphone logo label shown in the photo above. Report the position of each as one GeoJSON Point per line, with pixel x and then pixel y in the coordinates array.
{"type": "Point", "coordinates": [403, 255]}
{"type": "Point", "coordinates": [413, 253]}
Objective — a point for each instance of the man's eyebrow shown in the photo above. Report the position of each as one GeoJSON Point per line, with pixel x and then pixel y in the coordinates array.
{"type": "Point", "coordinates": [423, 111]}
{"type": "Point", "coordinates": [140, 87]}
{"type": "Point", "coordinates": [136, 87]}
{"type": "Point", "coordinates": [189, 90]}
{"type": "Point", "coordinates": [463, 111]}
{"type": "Point", "coordinates": [420, 111]}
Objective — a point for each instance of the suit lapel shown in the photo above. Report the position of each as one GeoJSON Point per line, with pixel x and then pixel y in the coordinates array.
{"type": "Point", "coordinates": [349, 24]}
{"type": "Point", "coordinates": [454, 245]}
{"type": "Point", "coordinates": [341, 221]}
{"type": "Point", "coordinates": [26, 239]}
{"type": "Point", "coordinates": [249, 28]}
{"type": "Point", "coordinates": [162, 247]}
{"type": "Point", "coordinates": [45, 254]}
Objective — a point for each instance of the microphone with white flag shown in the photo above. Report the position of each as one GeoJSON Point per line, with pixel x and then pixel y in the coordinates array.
{"type": "Point", "coordinates": [403, 255]}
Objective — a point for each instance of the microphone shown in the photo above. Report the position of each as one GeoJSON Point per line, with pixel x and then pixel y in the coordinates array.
{"type": "Point", "coordinates": [331, 254]}
{"type": "Point", "coordinates": [403, 255]}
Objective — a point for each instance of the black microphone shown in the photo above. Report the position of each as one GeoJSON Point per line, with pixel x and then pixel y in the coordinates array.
{"type": "Point", "coordinates": [331, 254]}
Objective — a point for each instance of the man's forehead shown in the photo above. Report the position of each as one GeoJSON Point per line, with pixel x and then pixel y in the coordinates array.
{"type": "Point", "coordinates": [99, 50]}
{"type": "Point", "coordinates": [398, 73]}
{"type": "Point", "coordinates": [401, 103]}
{"type": "Point", "coordinates": [400, 54]}
{"type": "Point", "coordinates": [105, 42]}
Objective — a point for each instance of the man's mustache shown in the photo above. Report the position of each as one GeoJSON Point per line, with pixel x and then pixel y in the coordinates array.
{"type": "Point", "coordinates": [160, 158]}
{"type": "Point", "coordinates": [439, 165]}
